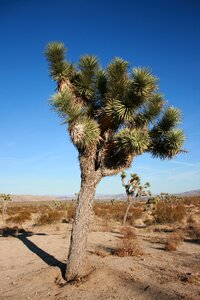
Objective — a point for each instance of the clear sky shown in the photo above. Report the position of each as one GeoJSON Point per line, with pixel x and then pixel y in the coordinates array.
{"type": "Point", "coordinates": [36, 156]}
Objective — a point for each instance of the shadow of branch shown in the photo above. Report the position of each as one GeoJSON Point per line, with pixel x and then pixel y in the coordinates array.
{"type": "Point", "coordinates": [23, 235]}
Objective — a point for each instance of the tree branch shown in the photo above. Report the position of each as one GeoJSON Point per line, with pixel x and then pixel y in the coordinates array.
{"type": "Point", "coordinates": [114, 171]}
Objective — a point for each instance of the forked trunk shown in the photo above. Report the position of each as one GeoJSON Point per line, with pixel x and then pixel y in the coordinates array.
{"type": "Point", "coordinates": [127, 210]}
{"type": "Point", "coordinates": [80, 228]}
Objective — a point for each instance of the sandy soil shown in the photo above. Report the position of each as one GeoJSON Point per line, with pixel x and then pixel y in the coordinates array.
{"type": "Point", "coordinates": [30, 267]}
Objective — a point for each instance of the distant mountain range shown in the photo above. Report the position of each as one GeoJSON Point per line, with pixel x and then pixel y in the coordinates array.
{"type": "Point", "coordinates": [29, 198]}
{"type": "Point", "coordinates": [191, 193]}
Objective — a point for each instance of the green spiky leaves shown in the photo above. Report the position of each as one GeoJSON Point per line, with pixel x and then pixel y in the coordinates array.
{"type": "Point", "coordinates": [122, 109]}
{"type": "Point", "coordinates": [55, 52]}
{"type": "Point", "coordinates": [118, 78]}
{"type": "Point", "coordinates": [170, 119]}
{"type": "Point", "coordinates": [151, 111]}
{"type": "Point", "coordinates": [118, 111]}
{"type": "Point", "coordinates": [123, 174]}
{"type": "Point", "coordinates": [101, 82]}
{"type": "Point", "coordinates": [84, 132]}
{"type": "Point", "coordinates": [59, 68]}
{"type": "Point", "coordinates": [135, 177]}
{"type": "Point", "coordinates": [134, 188]}
{"type": "Point", "coordinates": [132, 141]}
{"type": "Point", "coordinates": [86, 79]}
{"type": "Point", "coordinates": [166, 140]}
{"type": "Point", "coordinates": [65, 104]}
{"type": "Point", "coordinates": [168, 144]}
{"type": "Point", "coordinates": [143, 83]}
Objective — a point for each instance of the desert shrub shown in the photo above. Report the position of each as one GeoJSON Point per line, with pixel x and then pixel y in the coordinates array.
{"type": "Point", "coordinates": [70, 212]}
{"type": "Point", "coordinates": [167, 213]}
{"type": "Point", "coordinates": [49, 217]}
{"type": "Point", "coordinates": [98, 211]}
{"type": "Point", "coordinates": [117, 210]}
{"type": "Point", "coordinates": [149, 221]}
{"type": "Point", "coordinates": [19, 218]}
{"type": "Point", "coordinates": [192, 200]}
{"type": "Point", "coordinates": [106, 226]}
{"type": "Point", "coordinates": [128, 233]}
{"type": "Point", "coordinates": [14, 209]}
{"type": "Point", "coordinates": [174, 240]}
{"type": "Point", "coordinates": [135, 213]}
{"type": "Point", "coordinates": [193, 230]}
{"type": "Point", "coordinates": [128, 247]}
{"type": "Point", "coordinates": [108, 211]}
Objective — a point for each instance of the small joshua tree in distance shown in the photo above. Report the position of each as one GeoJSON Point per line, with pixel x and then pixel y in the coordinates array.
{"type": "Point", "coordinates": [5, 198]}
{"type": "Point", "coordinates": [134, 190]}
{"type": "Point", "coordinates": [54, 204]}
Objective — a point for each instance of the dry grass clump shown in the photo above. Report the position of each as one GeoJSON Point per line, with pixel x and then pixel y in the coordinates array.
{"type": "Point", "coordinates": [137, 212]}
{"type": "Point", "coordinates": [108, 211]}
{"type": "Point", "coordinates": [117, 210]}
{"type": "Point", "coordinates": [13, 210]}
{"type": "Point", "coordinates": [102, 251]}
{"type": "Point", "coordinates": [128, 245]}
{"type": "Point", "coordinates": [106, 226]}
{"type": "Point", "coordinates": [20, 218]}
{"type": "Point", "coordinates": [193, 230]}
{"type": "Point", "coordinates": [128, 232]}
{"type": "Point", "coordinates": [167, 213]}
{"type": "Point", "coordinates": [192, 200]}
{"type": "Point", "coordinates": [49, 217]}
{"type": "Point", "coordinates": [70, 212]}
{"type": "Point", "coordinates": [174, 240]}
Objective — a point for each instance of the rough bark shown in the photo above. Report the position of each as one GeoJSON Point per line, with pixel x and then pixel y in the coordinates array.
{"type": "Point", "coordinates": [80, 231]}
{"type": "Point", "coordinates": [78, 245]}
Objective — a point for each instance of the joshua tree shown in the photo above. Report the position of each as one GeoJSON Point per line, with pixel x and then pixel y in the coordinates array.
{"type": "Point", "coordinates": [134, 190]}
{"type": "Point", "coordinates": [112, 115]}
{"type": "Point", "coordinates": [5, 198]}
{"type": "Point", "coordinates": [54, 204]}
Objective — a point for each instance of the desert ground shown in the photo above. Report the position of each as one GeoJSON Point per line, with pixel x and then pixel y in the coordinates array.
{"type": "Point", "coordinates": [141, 261]}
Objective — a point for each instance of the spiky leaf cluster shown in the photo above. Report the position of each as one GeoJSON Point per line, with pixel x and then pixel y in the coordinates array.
{"type": "Point", "coordinates": [84, 132]}
{"type": "Point", "coordinates": [133, 187]}
{"type": "Point", "coordinates": [5, 197]}
{"type": "Point", "coordinates": [132, 140]}
{"type": "Point", "coordinates": [166, 139]}
{"type": "Point", "coordinates": [59, 68]}
{"type": "Point", "coordinates": [66, 106]}
{"type": "Point", "coordinates": [117, 109]}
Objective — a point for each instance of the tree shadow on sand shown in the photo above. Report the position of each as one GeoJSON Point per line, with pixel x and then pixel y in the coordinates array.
{"type": "Point", "coordinates": [23, 235]}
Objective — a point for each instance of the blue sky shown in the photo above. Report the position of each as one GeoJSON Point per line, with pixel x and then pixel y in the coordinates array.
{"type": "Point", "coordinates": [36, 156]}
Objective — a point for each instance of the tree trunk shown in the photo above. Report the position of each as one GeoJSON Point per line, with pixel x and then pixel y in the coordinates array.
{"type": "Point", "coordinates": [127, 210]}
{"type": "Point", "coordinates": [80, 228]}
